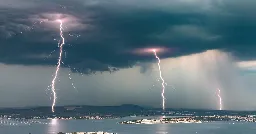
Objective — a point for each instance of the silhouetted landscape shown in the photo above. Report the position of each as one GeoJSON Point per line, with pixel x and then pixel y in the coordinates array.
{"type": "Point", "coordinates": [110, 111]}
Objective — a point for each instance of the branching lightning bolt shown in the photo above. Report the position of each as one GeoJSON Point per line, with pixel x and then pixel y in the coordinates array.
{"type": "Point", "coordinates": [70, 78]}
{"type": "Point", "coordinates": [163, 82]}
{"type": "Point", "coordinates": [220, 99]}
{"type": "Point", "coordinates": [72, 83]}
{"type": "Point", "coordinates": [58, 67]}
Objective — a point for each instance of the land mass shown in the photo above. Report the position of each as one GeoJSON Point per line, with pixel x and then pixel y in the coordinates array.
{"type": "Point", "coordinates": [101, 112]}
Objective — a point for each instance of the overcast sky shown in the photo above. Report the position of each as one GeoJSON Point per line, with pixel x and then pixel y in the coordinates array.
{"type": "Point", "coordinates": [211, 44]}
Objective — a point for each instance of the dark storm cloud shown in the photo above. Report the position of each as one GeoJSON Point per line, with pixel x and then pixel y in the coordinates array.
{"type": "Point", "coordinates": [118, 27]}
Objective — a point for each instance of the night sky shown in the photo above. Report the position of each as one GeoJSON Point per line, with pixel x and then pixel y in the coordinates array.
{"type": "Point", "coordinates": [209, 44]}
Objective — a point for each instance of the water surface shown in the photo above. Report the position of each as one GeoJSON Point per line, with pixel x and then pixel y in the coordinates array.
{"type": "Point", "coordinates": [110, 125]}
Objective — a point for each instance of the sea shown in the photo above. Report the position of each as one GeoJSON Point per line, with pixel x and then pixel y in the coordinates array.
{"type": "Point", "coordinates": [110, 125]}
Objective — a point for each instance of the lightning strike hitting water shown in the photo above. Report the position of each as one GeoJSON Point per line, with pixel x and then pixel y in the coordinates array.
{"type": "Point", "coordinates": [220, 99]}
{"type": "Point", "coordinates": [58, 67]}
{"type": "Point", "coordinates": [163, 82]}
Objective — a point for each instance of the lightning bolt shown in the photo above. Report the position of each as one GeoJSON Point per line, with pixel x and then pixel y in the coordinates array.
{"type": "Point", "coordinates": [49, 54]}
{"type": "Point", "coordinates": [72, 83]}
{"type": "Point", "coordinates": [70, 78]}
{"type": "Point", "coordinates": [220, 99]}
{"type": "Point", "coordinates": [163, 82]}
{"type": "Point", "coordinates": [58, 67]}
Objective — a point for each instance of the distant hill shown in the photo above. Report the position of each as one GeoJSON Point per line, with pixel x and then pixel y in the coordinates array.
{"type": "Point", "coordinates": [122, 110]}
{"type": "Point", "coordinates": [67, 110]}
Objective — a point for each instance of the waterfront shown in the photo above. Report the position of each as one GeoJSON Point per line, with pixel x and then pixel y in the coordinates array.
{"type": "Point", "coordinates": [192, 119]}
{"type": "Point", "coordinates": [110, 125]}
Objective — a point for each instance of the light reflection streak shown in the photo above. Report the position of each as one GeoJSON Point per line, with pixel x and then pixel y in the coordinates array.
{"type": "Point", "coordinates": [54, 126]}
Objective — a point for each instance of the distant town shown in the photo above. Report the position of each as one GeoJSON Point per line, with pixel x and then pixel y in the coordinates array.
{"type": "Point", "coordinates": [112, 112]}
{"type": "Point", "coordinates": [193, 119]}
{"type": "Point", "coordinates": [100, 132]}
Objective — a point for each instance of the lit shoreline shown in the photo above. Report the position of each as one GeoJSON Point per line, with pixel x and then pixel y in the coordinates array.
{"type": "Point", "coordinates": [192, 119]}
{"type": "Point", "coordinates": [161, 121]}
{"type": "Point", "coordinates": [96, 132]}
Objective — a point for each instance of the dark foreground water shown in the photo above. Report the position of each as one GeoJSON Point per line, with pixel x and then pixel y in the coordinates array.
{"type": "Point", "coordinates": [54, 126]}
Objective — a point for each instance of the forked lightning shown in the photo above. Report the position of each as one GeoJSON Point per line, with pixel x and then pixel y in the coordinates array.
{"type": "Point", "coordinates": [220, 99]}
{"type": "Point", "coordinates": [161, 77]}
{"type": "Point", "coordinates": [58, 66]}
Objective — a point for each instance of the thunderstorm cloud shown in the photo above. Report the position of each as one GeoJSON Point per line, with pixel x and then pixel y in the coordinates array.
{"type": "Point", "coordinates": [107, 29]}
{"type": "Point", "coordinates": [211, 43]}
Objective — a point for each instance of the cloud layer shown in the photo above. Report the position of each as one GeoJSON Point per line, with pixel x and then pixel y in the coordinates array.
{"type": "Point", "coordinates": [211, 45]}
{"type": "Point", "coordinates": [108, 29]}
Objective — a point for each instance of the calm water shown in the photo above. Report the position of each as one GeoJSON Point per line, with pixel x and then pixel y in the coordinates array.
{"type": "Point", "coordinates": [55, 126]}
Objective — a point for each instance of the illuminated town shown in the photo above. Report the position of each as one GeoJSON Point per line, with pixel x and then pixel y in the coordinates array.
{"type": "Point", "coordinates": [193, 119]}
{"type": "Point", "coordinates": [99, 132]}
{"type": "Point", "coordinates": [42, 115]}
